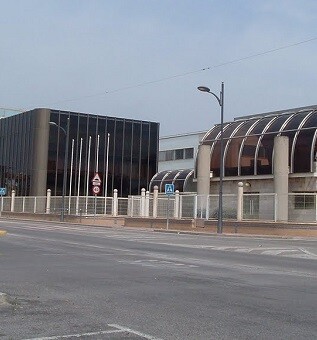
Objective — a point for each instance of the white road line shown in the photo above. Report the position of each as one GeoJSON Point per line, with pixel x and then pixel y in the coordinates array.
{"type": "Point", "coordinates": [277, 251]}
{"type": "Point", "coordinates": [79, 335]}
{"type": "Point", "coordinates": [126, 329]}
{"type": "Point", "coordinates": [307, 252]}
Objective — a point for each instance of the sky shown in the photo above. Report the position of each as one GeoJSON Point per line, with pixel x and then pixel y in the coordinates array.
{"type": "Point", "coordinates": [143, 59]}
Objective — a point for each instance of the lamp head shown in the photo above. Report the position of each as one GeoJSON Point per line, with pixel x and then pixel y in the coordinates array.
{"type": "Point", "coordinates": [203, 89]}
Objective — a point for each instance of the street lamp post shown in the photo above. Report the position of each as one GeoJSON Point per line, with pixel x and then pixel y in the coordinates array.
{"type": "Point", "coordinates": [220, 100]}
{"type": "Point", "coordinates": [66, 132]}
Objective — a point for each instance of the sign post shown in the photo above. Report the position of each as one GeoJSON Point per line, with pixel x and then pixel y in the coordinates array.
{"type": "Point", "coordinates": [3, 192]}
{"type": "Point", "coordinates": [96, 185]}
{"type": "Point", "coordinates": [169, 190]}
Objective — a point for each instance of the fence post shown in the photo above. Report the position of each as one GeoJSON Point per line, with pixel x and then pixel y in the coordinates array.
{"type": "Point", "coordinates": [240, 202]}
{"type": "Point", "coordinates": [207, 207]}
{"type": "Point", "coordinates": [34, 207]}
{"type": "Point", "coordinates": [115, 203]}
{"type": "Point", "coordinates": [23, 204]}
{"type": "Point", "coordinates": [12, 200]}
{"type": "Point", "coordinates": [129, 206]}
{"type": "Point", "coordinates": [176, 204]}
{"type": "Point", "coordinates": [155, 201]}
{"type": "Point", "coordinates": [195, 206]}
{"type": "Point", "coordinates": [147, 204]}
{"type": "Point", "coordinates": [315, 198]}
{"type": "Point", "coordinates": [275, 207]}
{"type": "Point", "coordinates": [142, 210]}
{"type": "Point", "coordinates": [48, 201]}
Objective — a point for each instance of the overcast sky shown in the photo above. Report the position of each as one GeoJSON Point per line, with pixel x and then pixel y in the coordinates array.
{"type": "Point", "coordinates": [143, 59]}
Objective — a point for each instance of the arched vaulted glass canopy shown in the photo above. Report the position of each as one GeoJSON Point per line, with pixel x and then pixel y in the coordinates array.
{"type": "Point", "coordinates": [249, 142]}
{"type": "Point", "coordinates": [177, 177]}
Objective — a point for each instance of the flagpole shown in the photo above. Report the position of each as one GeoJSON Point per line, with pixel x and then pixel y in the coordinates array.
{"type": "Point", "coordinates": [88, 170]}
{"type": "Point", "coordinates": [79, 173]}
{"type": "Point", "coordinates": [107, 170]}
{"type": "Point", "coordinates": [71, 176]}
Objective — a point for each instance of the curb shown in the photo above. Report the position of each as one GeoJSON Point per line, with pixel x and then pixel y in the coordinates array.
{"type": "Point", "coordinates": [237, 235]}
{"type": "Point", "coordinates": [2, 233]}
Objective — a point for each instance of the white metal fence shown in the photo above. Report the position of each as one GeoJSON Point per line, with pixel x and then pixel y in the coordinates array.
{"type": "Point", "coordinates": [302, 207]}
{"type": "Point", "coordinates": [259, 207]}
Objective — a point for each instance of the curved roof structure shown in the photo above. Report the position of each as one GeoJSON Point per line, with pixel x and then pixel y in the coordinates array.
{"type": "Point", "coordinates": [248, 142]}
{"type": "Point", "coordinates": [177, 177]}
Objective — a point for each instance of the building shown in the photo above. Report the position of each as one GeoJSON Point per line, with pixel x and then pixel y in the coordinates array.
{"type": "Point", "coordinates": [33, 150]}
{"type": "Point", "coordinates": [178, 152]}
{"type": "Point", "coordinates": [270, 153]}
{"type": "Point", "coordinates": [176, 165]}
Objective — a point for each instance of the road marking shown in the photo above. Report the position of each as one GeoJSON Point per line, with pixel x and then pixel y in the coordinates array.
{"type": "Point", "coordinates": [119, 329]}
{"type": "Point", "coordinates": [146, 238]}
{"type": "Point", "coordinates": [143, 335]}
{"type": "Point", "coordinates": [308, 252]}
{"type": "Point", "coordinates": [78, 335]}
{"type": "Point", "coordinates": [157, 263]}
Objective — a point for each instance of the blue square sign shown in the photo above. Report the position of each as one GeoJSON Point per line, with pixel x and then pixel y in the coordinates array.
{"type": "Point", "coordinates": [169, 189]}
{"type": "Point", "coordinates": [3, 191]}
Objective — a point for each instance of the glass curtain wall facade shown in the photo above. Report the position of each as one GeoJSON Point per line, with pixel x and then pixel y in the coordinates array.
{"type": "Point", "coordinates": [16, 145]}
{"type": "Point", "coordinates": [131, 160]}
{"type": "Point", "coordinates": [249, 142]}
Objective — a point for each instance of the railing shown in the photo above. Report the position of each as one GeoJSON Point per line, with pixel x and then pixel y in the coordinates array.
{"type": "Point", "coordinates": [259, 207]}
{"type": "Point", "coordinates": [302, 207]}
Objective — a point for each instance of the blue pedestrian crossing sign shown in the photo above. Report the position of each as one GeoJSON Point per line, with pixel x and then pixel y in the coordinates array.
{"type": "Point", "coordinates": [169, 189]}
{"type": "Point", "coordinates": [3, 191]}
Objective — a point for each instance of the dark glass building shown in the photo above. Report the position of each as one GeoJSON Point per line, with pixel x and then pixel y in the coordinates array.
{"type": "Point", "coordinates": [32, 153]}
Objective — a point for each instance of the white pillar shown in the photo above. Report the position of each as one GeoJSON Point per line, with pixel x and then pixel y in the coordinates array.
{"type": "Point", "coordinates": [147, 204]}
{"type": "Point", "coordinates": [142, 208]}
{"type": "Point", "coordinates": [203, 177]}
{"type": "Point", "coordinates": [48, 201]}
{"type": "Point", "coordinates": [130, 206]}
{"type": "Point", "coordinates": [203, 170]}
{"type": "Point", "coordinates": [280, 166]}
{"type": "Point", "coordinates": [176, 204]}
{"type": "Point", "coordinates": [115, 203]}
{"type": "Point", "coordinates": [12, 200]}
{"type": "Point", "coordinates": [240, 202]}
{"type": "Point", "coordinates": [155, 201]}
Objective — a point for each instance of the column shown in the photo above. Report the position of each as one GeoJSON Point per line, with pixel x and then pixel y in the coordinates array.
{"type": "Point", "coordinates": [280, 166]}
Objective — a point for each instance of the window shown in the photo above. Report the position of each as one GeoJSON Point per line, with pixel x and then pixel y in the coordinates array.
{"type": "Point", "coordinates": [162, 156]}
{"type": "Point", "coordinates": [179, 154]}
{"type": "Point", "coordinates": [172, 155]}
{"type": "Point", "coordinates": [305, 201]}
{"type": "Point", "coordinates": [189, 153]}
{"type": "Point", "coordinates": [169, 155]}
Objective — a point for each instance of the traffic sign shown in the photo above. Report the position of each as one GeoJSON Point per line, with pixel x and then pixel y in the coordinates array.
{"type": "Point", "coordinates": [3, 191]}
{"type": "Point", "coordinates": [96, 181]}
{"type": "Point", "coordinates": [169, 189]}
{"type": "Point", "coordinates": [96, 190]}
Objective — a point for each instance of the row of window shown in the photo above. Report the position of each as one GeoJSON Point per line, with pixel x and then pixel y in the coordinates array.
{"type": "Point", "coordinates": [172, 155]}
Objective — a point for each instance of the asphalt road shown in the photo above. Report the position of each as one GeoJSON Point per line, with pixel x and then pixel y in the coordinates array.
{"type": "Point", "coordinates": [71, 282]}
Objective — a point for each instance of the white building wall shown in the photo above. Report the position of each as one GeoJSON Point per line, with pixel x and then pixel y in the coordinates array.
{"type": "Point", "coordinates": [181, 141]}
